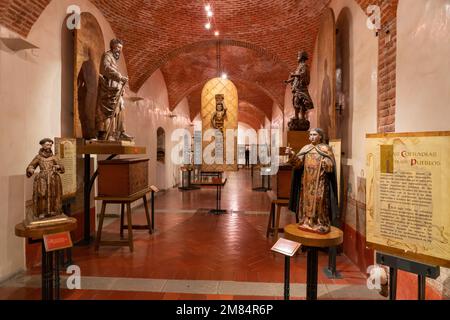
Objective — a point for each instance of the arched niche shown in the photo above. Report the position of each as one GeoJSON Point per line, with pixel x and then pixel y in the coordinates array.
{"type": "Point", "coordinates": [161, 145]}
{"type": "Point", "coordinates": [210, 93]}
{"type": "Point", "coordinates": [344, 109]}
{"type": "Point", "coordinates": [67, 76]}
{"type": "Point", "coordinates": [326, 61]}
{"type": "Point", "coordinates": [89, 48]}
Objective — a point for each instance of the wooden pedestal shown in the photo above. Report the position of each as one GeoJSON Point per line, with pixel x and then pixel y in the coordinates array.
{"type": "Point", "coordinates": [311, 242]}
{"type": "Point", "coordinates": [50, 264]}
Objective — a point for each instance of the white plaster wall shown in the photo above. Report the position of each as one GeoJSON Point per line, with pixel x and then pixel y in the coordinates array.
{"type": "Point", "coordinates": [423, 81]}
{"type": "Point", "coordinates": [278, 123]}
{"type": "Point", "coordinates": [30, 99]}
{"type": "Point", "coordinates": [243, 138]}
{"type": "Point", "coordinates": [146, 116]}
{"type": "Point", "coordinates": [423, 65]}
{"type": "Point", "coordinates": [363, 86]}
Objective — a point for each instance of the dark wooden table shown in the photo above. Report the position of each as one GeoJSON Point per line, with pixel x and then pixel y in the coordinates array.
{"type": "Point", "coordinates": [50, 268]}
{"type": "Point", "coordinates": [218, 183]}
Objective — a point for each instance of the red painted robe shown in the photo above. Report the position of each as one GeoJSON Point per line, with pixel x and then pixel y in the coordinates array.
{"type": "Point", "coordinates": [317, 162]}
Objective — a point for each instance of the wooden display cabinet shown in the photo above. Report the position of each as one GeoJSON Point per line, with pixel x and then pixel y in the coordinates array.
{"type": "Point", "coordinates": [122, 177]}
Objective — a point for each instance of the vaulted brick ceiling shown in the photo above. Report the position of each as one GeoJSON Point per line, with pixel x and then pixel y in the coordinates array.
{"type": "Point", "coordinates": [259, 40]}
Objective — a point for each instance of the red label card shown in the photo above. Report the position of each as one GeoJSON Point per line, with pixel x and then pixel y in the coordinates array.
{"type": "Point", "coordinates": [57, 241]}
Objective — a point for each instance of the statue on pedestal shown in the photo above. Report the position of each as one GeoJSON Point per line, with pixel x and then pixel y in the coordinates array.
{"type": "Point", "coordinates": [301, 100]}
{"type": "Point", "coordinates": [314, 185]}
{"type": "Point", "coordinates": [47, 187]}
{"type": "Point", "coordinates": [218, 118]}
{"type": "Point", "coordinates": [110, 103]}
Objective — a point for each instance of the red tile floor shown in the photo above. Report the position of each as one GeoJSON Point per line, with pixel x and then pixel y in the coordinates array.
{"type": "Point", "coordinates": [190, 244]}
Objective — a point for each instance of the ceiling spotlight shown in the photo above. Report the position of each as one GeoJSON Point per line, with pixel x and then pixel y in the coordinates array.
{"type": "Point", "coordinates": [224, 76]}
{"type": "Point", "coordinates": [209, 14]}
{"type": "Point", "coordinates": [208, 26]}
{"type": "Point", "coordinates": [216, 33]}
{"type": "Point", "coordinates": [208, 7]}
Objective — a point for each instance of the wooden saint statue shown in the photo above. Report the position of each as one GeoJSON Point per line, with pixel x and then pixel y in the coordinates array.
{"type": "Point", "coordinates": [47, 187]}
{"type": "Point", "coordinates": [110, 120]}
{"type": "Point", "coordinates": [301, 100]}
{"type": "Point", "coordinates": [314, 187]}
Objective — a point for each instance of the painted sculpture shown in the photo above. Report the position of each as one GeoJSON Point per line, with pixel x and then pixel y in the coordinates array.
{"type": "Point", "coordinates": [47, 186]}
{"type": "Point", "coordinates": [313, 187]}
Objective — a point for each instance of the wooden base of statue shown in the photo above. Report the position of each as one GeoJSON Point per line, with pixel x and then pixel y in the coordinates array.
{"type": "Point", "coordinates": [312, 242]}
{"type": "Point", "coordinates": [110, 142]}
{"type": "Point", "coordinates": [33, 222]}
{"type": "Point", "coordinates": [296, 124]}
{"type": "Point", "coordinates": [51, 261]}
{"type": "Point", "coordinates": [297, 139]}
{"type": "Point", "coordinates": [99, 148]}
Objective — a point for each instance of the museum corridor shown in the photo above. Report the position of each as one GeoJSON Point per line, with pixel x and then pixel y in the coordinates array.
{"type": "Point", "coordinates": [117, 112]}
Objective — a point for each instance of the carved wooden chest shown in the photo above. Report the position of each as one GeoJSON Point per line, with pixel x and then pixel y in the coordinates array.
{"type": "Point", "coordinates": [122, 177]}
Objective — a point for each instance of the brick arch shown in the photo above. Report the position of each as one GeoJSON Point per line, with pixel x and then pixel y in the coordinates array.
{"type": "Point", "coordinates": [250, 119]}
{"type": "Point", "coordinates": [194, 97]}
{"type": "Point", "coordinates": [20, 15]}
{"type": "Point", "coordinates": [187, 71]}
{"type": "Point", "coordinates": [246, 109]}
{"type": "Point", "coordinates": [164, 59]}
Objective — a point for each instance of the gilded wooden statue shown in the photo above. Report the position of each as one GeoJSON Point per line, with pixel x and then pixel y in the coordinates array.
{"type": "Point", "coordinates": [314, 187]}
{"type": "Point", "coordinates": [47, 187]}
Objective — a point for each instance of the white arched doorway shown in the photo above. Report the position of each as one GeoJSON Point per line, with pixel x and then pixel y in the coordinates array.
{"type": "Point", "coordinates": [161, 157]}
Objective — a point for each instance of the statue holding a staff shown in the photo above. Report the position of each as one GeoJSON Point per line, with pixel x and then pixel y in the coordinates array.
{"type": "Point", "coordinates": [110, 103]}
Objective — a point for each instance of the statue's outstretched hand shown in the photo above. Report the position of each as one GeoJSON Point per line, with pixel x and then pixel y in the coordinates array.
{"type": "Point", "coordinates": [30, 172]}
{"type": "Point", "coordinates": [289, 152]}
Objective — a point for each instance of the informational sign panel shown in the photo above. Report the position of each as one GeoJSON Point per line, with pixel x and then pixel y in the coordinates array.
{"type": "Point", "coordinates": [66, 150]}
{"type": "Point", "coordinates": [286, 247]}
{"type": "Point", "coordinates": [336, 147]}
{"type": "Point", "coordinates": [408, 193]}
